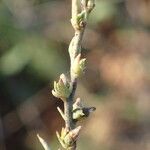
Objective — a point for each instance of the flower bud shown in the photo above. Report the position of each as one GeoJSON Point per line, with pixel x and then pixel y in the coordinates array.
{"type": "Point", "coordinates": [75, 133]}
{"type": "Point", "coordinates": [80, 112]}
{"type": "Point", "coordinates": [61, 88]}
{"type": "Point", "coordinates": [77, 104]}
{"type": "Point", "coordinates": [77, 110]}
{"type": "Point", "coordinates": [90, 5]}
{"type": "Point", "coordinates": [67, 138]}
{"type": "Point", "coordinates": [84, 3]}
{"type": "Point", "coordinates": [60, 139]}
{"type": "Point", "coordinates": [78, 66]}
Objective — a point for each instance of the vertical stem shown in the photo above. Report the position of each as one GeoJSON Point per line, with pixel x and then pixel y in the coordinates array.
{"type": "Point", "coordinates": [74, 50]}
{"type": "Point", "coordinates": [63, 88]}
{"type": "Point", "coordinates": [68, 107]}
{"type": "Point", "coordinates": [74, 9]}
{"type": "Point", "coordinates": [77, 41]}
{"type": "Point", "coordinates": [68, 114]}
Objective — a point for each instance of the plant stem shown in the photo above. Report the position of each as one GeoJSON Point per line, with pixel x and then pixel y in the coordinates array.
{"type": "Point", "coordinates": [74, 50]}
{"type": "Point", "coordinates": [75, 45]}
{"type": "Point", "coordinates": [65, 89]}
{"type": "Point", "coordinates": [74, 8]}
{"type": "Point", "coordinates": [68, 114]}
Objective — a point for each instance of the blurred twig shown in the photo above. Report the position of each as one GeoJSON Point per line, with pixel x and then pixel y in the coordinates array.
{"type": "Point", "coordinates": [43, 142]}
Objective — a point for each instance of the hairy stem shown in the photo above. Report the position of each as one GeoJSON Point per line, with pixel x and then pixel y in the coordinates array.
{"type": "Point", "coordinates": [68, 114]}
{"type": "Point", "coordinates": [79, 23]}
{"type": "Point", "coordinates": [75, 47]}
{"type": "Point", "coordinates": [65, 89]}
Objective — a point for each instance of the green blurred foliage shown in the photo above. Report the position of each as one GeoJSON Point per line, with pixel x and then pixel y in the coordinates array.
{"type": "Point", "coordinates": [104, 10]}
{"type": "Point", "coordinates": [34, 52]}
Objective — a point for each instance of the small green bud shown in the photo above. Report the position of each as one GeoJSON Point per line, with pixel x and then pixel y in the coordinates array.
{"type": "Point", "coordinates": [80, 16]}
{"type": "Point", "coordinates": [77, 110]}
{"type": "Point", "coordinates": [72, 136]}
{"type": "Point", "coordinates": [60, 139]}
{"type": "Point", "coordinates": [75, 133]}
{"type": "Point", "coordinates": [90, 5]}
{"type": "Point", "coordinates": [67, 138]}
{"type": "Point", "coordinates": [82, 64]}
{"type": "Point", "coordinates": [80, 112]}
{"type": "Point", "coordinates": [79, 21]}
{"type": "Point", "coordinates": [63, 132]}
{"type": "Point", "coordinates": [77, 104]}
{"type": "Point", "coordinates": [61, 88]}
{"type": "Point", "coordinates": [84, 3]}
{"type": "Point", "coordinates": [78, 66]}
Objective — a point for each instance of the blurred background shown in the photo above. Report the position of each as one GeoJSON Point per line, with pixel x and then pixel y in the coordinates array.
{"type": "Point", "coordinates": [34, 38]}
